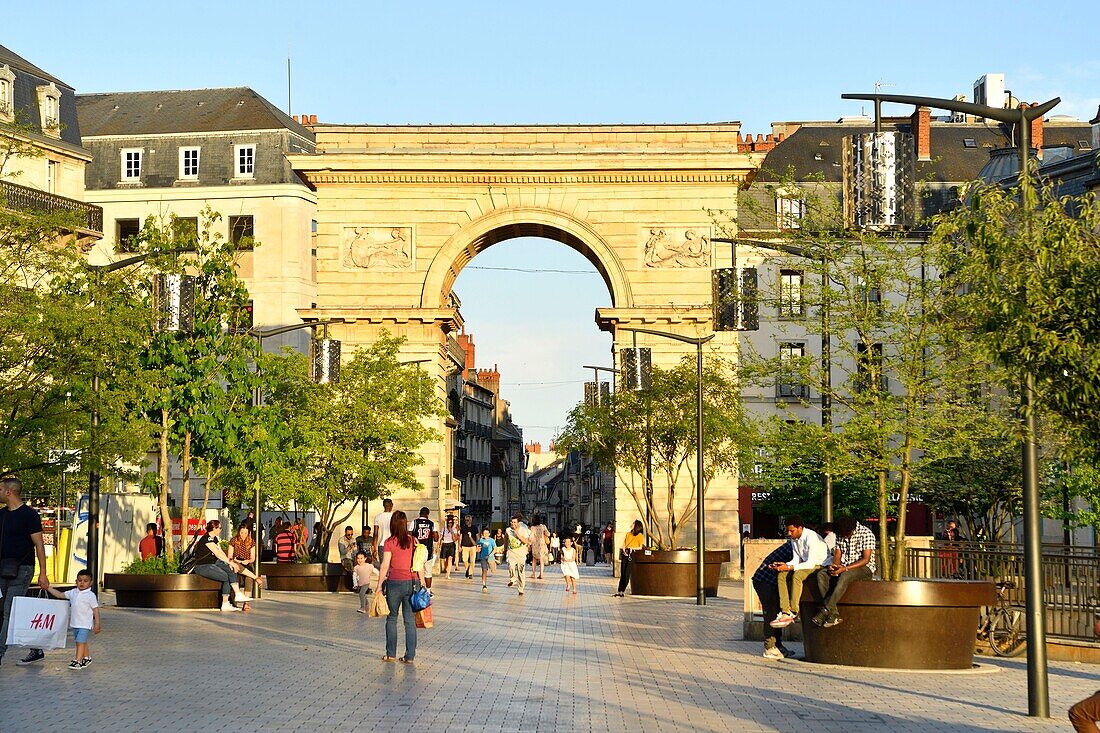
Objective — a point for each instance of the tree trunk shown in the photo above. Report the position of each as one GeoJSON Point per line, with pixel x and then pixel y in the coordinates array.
{"type": "Point", "coordinates": [185, 471]}
{"type": "Point", "coordinates": [165, 514]}
{"type": "Point", "coordinates": [883, 532]}
{"type": "Point", "coordinates": [898, 563]}
{"type": "Point", "coordinates": [211, 474]}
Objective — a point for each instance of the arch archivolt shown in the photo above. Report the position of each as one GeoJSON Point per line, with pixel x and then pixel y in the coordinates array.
{"type": "Point", "coordinates": [524, 221]}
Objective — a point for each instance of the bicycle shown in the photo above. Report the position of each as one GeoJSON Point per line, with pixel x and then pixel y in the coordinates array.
{"type": "Point", "coordinates": [1001, 625]}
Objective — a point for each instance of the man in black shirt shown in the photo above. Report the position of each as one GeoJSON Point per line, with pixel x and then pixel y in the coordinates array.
{"type": "Point", "coordinates": [423, 530]}
{"type": "Point", "coordinates": [20, 542]}
{"type": "Point", "coordinates": [470, 534]}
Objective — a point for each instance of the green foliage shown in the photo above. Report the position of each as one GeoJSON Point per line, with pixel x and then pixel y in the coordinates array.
{"type": "Point", "coordinates": [906, 381]}
{"type": "Point", "coordinates": [346, 442]}
{"type": "Point", "coordinates": [155, 565]}
{"type": "Point", "coordinates": [616, 436]}
{"type": "Point", "coordinates": [1026, 264]}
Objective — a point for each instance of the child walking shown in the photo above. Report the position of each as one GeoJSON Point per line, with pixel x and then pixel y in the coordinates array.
{"type": "Point", "coordinates": [83, 616]}
{"type": "Point", "coordinates": [485, 549]}
{"type": "Point", "coordinates": [360, 579]}
{"type": "Point", "coordinates": [569, 564]}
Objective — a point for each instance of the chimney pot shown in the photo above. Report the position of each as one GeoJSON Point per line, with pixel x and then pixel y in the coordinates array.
{"type": "Point", "coordinates": [922, 132]}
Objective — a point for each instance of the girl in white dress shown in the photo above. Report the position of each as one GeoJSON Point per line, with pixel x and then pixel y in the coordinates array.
{"type": "Point", "coordinates": [569, 565]}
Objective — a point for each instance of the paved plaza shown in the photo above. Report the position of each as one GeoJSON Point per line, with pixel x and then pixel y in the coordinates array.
{"type": "Point", "coordinates": [494, 662]}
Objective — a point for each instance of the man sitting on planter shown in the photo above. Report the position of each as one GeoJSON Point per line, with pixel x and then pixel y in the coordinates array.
{"type": "Point", "coordinates": [808, 552]}
{"type": "Point", "coordinates": [765, 584]}
{"type": "Point", "coordinates": [853, 559]}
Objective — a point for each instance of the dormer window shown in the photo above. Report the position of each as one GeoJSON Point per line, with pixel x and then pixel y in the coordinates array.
{"type": "Point", "coordinates": [131, 165]}
{"type": "Point", "coordinates": [245, 156]}
{"type": "Point", "coordinates": [49, 103]}
{"type": "Point", "coordinates": [7, 94]}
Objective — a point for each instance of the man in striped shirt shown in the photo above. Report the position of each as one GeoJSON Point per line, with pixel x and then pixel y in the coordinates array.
{"type": "Point", "coordinates": [853, 559]}
{"type": "Point", "coordinates": [284, 545]}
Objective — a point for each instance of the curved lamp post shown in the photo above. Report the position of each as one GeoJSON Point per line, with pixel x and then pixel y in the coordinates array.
{"type": "Point", "coordinates": [1038, 696]}
{"type": "Point", "coordinates": [175, 314]}
{"type": "Point", "coordinates": [324, 369]}
{"type": "Point", "coordinates": [700, 526]}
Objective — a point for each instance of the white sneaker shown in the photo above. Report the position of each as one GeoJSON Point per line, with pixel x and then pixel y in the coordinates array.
{"type": "Point", "coordinates": [783, 620]}
{"type": "Point", "coordinates": [228, 607]}
{"type": "Point", "coordinates": [773, 653]}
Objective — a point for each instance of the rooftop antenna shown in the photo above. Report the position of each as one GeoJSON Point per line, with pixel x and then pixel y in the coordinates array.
{"type": "Point", "coordinates": [879, 85]}
{"type": "Point", "coordinates": [288, 77]}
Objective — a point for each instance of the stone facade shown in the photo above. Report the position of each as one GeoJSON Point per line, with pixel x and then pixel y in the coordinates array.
{"type": "Point", "coordinates": [454, 191]}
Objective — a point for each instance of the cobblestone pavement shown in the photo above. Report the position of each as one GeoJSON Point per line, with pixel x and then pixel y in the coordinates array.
{"type": "Point", "coordinates": [495, 661]}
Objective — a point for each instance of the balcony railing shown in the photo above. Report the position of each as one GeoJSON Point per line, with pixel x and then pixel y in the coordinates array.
{"type": "Point", "coordinates": [25, 198]}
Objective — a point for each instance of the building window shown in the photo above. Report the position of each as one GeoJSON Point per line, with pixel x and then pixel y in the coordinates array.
{"type": "Point", "coordinates": [7, 93]}
{"type": "Point", "coordinates": [245, 156]}
{"type": "Point", "coordinates": [869, 372]}
{"type": "Point", "coordinates": [126, 232]}
{"type": "Point", "coordinates": [189, 163]}
{"type": "Point", "coordinates": [241, 231]}
{"type": "Point", "coordinates": [871, 294]}
{"type": "Point", "coordinates": [186, 229]}
{"type": "Point", "coordinates": [49, 103]}
{"type": "Point", "coordinates": [131, 164]}
{"type": "Point", "coordinates": [789, 212]}
{"type": "Point", "coordinates": [789, 382]}
{"type": "Point", "coordinates": [53, 170]}
{"type": "Point", "coordinates": [790, 295]}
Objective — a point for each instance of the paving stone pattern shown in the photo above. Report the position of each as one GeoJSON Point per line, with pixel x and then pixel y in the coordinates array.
{"type": "Point", "coordinates": [495, 661]}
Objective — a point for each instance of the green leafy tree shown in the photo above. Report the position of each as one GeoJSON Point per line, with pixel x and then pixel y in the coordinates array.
{"type": "Point", "coordinates": [616, 435]}
{"type": "Point", "coordinates": [201, 382]}
{"type": "Point", "coordinates": [351, 441]}
{"type": "Point", "coordinates": [910, 380]}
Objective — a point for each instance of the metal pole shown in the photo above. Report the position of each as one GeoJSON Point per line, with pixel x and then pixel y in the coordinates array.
{"type": "Point", "coordinates": [826, 385]}
{"type": "Point", "coordinates": [93, 493]}
{"type": "Point", "coordinates": [700, 524]}
{"type": "Point", "coordinates": [1038, 693]}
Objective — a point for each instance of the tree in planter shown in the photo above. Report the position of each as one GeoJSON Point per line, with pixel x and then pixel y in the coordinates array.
{"type": "Point", "coordinates": [353, 440]}
{"type": "Point", "coordinates": [911, 386]}
{"type": "Point", "coordinates": [615, 435]}
{"type": "Point", "coordinates": [202, 382]}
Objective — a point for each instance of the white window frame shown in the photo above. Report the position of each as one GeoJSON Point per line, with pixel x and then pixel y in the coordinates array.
{"type": "Point", "coordinates": [183, 174]}
{"type": "Point", "coordinates": [789, 383]}
{"type": "Point", "coordinates": [237, 150]}
{"type": "Point", "coordinates": [789, 212]}
{"type": "Point", "coordinates": [7, 93]}
{"type": "Point", "coordinates": [791, 286]}
{"type": "Point", "coordinates": [53, 173]}
{"type": "Point", "coordinates": [140, 164]}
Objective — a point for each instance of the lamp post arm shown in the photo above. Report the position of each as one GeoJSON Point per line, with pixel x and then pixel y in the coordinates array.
{"type": "Point", "coordinates": [696, 340]}
{"type": "Point", "coordinates": [768, 244]}
{"type": "Point", "coordinates": [1001, 114]}
{"type": "Point", "coordinates": [261, 334]}
{"type": "Point", "coordinates": [137, 259]}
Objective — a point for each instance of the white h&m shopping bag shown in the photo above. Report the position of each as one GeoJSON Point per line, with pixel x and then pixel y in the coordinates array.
{"type": "Point", "coordinates": [39, 623]}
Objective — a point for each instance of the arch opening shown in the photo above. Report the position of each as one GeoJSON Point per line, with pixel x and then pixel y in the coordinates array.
{"type": "Point", "coordinates": [501, 226]}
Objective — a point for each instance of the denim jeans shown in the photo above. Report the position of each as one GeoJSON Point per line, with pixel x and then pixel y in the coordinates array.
{"type": "Point", "coordinates": [398, 593]}
{"type": "Point", "coordinates": [12, 588]}
{"type": "Point", "coordinates": [832, 588]}
{"type": "Point", "coordinates": [220, 572]}
{"type": "Point", "coordinates": [768, 593]}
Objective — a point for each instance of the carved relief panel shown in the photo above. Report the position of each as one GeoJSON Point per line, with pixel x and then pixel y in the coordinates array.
{"type": "Point", "coordinates": [378, 248]}
{"type": "Point", "coordinates": [676, 246]}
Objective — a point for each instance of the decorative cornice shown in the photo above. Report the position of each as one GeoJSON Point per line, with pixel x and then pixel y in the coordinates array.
{"type": "Point", "coordinates": [510, 178]}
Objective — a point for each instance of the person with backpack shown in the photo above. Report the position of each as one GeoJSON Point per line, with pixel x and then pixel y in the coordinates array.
{"type": "Point", "coordinates": [424, 532]}
{"type": "Point", "coordinates": [397, 580]}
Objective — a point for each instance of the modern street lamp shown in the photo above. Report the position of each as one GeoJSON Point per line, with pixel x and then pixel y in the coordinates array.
{"type": "Point", "coordinates": [174, 302]}
{"type": "Point", "coordinates": [1037, 684]}
{"type": "Point", "coordinates": [700, 526]}
{"type": "Point", "coordinates": [324, 369]}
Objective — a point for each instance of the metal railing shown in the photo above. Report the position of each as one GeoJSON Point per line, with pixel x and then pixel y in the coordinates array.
{"type": "Point", "coordinates": [25, 198]}
{"type": "Point", "coordinates": [1071, 577]}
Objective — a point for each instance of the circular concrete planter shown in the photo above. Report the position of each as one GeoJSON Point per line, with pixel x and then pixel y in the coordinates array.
{"type": "Point", "coordinates": [911, 624]}
{"type": "Point", "coordinates": [163, 591]}
{"type": "Point", "coordinates": [673, 572]}
{"type": "Point", "coordinates": [320, 577]}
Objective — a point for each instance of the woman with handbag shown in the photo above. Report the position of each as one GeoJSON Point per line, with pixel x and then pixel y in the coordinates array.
{"type": "Point", "coordinates": [400, 581]}
{"type": "Point", "coordinates": [633, 540]}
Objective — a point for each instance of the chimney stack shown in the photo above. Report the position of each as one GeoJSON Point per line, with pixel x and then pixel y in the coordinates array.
{"type": "Point", "coordinates": [922, 132]}
{"type": "Point", "coordinates": [467, 343]}
{"type": "Point", "coordinates": [1036, 139]}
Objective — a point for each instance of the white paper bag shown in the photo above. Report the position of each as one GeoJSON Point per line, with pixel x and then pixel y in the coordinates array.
{"type": "Point", "coordinates": [39, 623]}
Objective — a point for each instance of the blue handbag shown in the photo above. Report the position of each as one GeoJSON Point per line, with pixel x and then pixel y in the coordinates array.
{"type": "Point", "coordinates": [420, 599]}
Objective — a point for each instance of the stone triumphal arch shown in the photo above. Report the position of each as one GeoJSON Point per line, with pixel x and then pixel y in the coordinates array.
{"type": "Point", "coordinates": [402, 209]}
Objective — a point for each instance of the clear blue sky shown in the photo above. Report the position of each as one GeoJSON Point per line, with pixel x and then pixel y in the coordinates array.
{"type": "Point", "coordinates": [599, 62]}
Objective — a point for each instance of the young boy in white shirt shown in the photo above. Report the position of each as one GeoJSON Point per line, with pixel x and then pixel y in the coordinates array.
{"type": "Point", "coordinates": [83, 616]}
